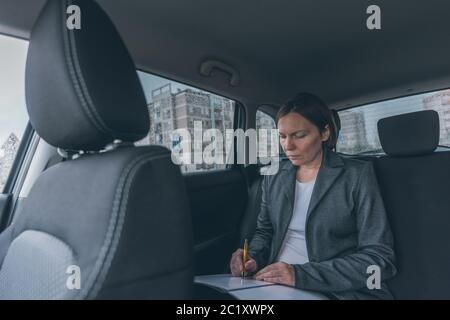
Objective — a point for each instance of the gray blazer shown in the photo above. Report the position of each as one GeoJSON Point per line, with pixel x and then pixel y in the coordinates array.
{"type": "Point", "coordinates": [346, 228]}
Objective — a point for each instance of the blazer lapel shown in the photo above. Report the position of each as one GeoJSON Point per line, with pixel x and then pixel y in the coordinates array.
{"type": "Point", "coordinates": [289, 192]}
{"type": "Point", "coordinates": [331, 168]}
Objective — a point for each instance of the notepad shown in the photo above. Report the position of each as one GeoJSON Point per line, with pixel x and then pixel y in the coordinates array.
{"type": "Point", "coordinates": [276, 292]}
{"type": "Point", "coordinates": [226, 282]}
{"type": "Point", "coordinates": [251, 289]}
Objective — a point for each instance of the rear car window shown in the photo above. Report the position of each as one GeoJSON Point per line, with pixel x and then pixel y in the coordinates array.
{"type": "Point", "coordinates": [173, 105]}
{"type": "Point", "coordinates": [359, 134]}
{"type": "Point", "coordinates": [264, 121]}
{"type": "Point", "coordinates": [267, 122]}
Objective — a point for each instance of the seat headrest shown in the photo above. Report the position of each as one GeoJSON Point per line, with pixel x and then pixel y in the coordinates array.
{"type": "Point", "coordinates": [82, 89]}
{"type": "Point", "coordinates": [409, 134]}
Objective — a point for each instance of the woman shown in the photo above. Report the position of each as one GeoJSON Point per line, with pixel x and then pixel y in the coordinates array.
{"type": "Point", "coordinates": [322, 224]}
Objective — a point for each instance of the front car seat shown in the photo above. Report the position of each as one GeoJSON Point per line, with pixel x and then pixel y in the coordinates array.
{"type": "Point", "coordinates": [118, 215]}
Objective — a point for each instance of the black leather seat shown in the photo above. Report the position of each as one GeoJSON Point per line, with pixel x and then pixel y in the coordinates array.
{"type": "Point", "coordinates": [415, 183]}
{"type": "Point", "coordinates": [119, 214]}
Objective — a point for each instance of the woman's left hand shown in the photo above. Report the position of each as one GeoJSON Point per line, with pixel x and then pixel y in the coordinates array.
{"type": "Point", "coordinates": [279, 272]}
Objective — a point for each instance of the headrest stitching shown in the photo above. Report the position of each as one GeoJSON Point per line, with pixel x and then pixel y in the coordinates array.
{"type": "Point", "coordinates": [77, 78]}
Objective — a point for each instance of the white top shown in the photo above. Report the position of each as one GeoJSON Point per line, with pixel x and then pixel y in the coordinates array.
{"type": "Point", "coordinates": [293, 249]}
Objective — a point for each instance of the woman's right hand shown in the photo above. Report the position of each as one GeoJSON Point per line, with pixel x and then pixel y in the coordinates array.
{"type": "Point", "coordinates": [236, 264]}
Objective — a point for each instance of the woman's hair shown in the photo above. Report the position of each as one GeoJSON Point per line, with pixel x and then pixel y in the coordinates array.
{"type": "Point", "coordinates": [315, 110]}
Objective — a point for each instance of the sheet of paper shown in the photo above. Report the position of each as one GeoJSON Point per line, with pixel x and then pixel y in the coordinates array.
{"type": "Point", "coordinates": [276, 292]}
{"type": "Point", "coordinates": [250, 289]}
{"type": "Point", "coordinates": [226, 282]}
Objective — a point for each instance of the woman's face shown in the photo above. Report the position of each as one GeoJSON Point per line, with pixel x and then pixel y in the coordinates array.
{"type": "Point", "coordinates": [301, 139]}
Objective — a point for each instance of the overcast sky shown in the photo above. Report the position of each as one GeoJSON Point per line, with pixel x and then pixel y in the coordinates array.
{"type": "Point", "coordinates": [13, 115]}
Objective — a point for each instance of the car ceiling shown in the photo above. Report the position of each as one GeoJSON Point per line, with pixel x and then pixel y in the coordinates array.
{"type": "Point", "coordinates": [280, 47]}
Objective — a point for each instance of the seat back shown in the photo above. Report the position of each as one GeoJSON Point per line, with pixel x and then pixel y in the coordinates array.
{"type": "Point", "coordinates": [109, 222]}
{"type": "Point", "coordinates": [414, 183]}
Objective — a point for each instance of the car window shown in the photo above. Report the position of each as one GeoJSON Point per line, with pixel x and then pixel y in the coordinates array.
{"type": "Point", "coordinates": [267, 122]}
{"type": "Point", "coordinates": [264, 121]}
{"type": "Point", "coordinates": [173, 106]}
{"type": "Point", "coordinates": [13, 114]}
{"type": "Point", "coordinates": [359, 134]}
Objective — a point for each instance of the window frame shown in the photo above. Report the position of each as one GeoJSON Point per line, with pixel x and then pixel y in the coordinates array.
{"type": "Point", "coordinates": [239, 121]}
{"type": "Point", "coordinates": [19, 159]}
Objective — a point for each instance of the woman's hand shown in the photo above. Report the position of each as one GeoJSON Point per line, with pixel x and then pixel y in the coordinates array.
{"type": "Point", "coordinates": [236, 263]}
{"type": "Point", "coordinates": [279, 272]}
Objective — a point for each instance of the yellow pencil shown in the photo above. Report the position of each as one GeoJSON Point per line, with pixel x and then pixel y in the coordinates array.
{"type": "Point", "coordinates": [244, 257]}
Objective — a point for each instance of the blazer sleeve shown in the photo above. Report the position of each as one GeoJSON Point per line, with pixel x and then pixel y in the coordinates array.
{"type": "Point", "coordinates": [260, 245]}
{"type": "Point", "coordinates": [375, 246]}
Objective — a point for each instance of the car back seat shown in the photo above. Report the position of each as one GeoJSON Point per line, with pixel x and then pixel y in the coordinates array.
{"type": "Point", "coordinates": [415, 183]}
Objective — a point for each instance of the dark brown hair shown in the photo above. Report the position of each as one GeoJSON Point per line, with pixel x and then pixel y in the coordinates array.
{"type": "Point", "coordinates": [315, 110]}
